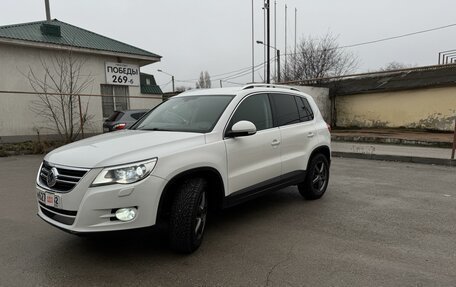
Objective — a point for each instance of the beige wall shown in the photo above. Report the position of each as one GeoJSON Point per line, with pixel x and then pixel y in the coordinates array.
{"type": "Point", "coordinates": [17, 119]}
{"type": "Point", "coordinates": [424, 108]}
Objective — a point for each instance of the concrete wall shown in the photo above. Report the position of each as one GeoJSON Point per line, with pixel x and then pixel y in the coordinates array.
{"type": "Point", "coordinates": [18, 121]}
{"type": "Point", "coordinates": [321, 98]}
{"type": "Point", "coordinates": [424, 108]}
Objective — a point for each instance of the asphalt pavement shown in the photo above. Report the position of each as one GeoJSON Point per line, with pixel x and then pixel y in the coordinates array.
{"type": "Point", "coordinates": [380, 224]}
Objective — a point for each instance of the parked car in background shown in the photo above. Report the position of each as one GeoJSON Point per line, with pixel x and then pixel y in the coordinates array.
{"type": "Point", "coordinates": [120, 120]}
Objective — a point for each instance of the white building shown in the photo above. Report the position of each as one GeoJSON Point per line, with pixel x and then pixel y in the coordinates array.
{"type": "Point", "coordinates": [108, 67]}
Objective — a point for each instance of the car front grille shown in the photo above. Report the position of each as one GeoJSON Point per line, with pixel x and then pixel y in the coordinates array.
{"type": "Point", "coordinates": [67, 178]}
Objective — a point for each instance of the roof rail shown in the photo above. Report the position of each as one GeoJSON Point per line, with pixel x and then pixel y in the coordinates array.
{"type": "Point", "coordinates": [251, 86]}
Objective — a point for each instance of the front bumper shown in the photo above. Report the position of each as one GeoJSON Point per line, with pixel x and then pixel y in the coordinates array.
{"type": "Point", "coordinates": [92, 209]}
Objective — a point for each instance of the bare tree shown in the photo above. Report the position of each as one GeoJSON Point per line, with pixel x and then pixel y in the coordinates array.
{"type": "Point", "coordinates": [318, 58]}
{"type": "Point", "coordinates": [204, 81]}
{"type": "Point", "coordinates": [59, 83]}
{"type": "Point", "coordinates": [182, 88]}
{"type": "Point", "coordinates": [395, 66]}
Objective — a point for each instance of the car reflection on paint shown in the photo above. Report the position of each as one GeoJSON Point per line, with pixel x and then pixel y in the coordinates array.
{"type": "Point", "coordinates": [120, 120]}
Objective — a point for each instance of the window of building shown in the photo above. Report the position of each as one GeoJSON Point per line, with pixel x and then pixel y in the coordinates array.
{"type": "Point", "coordinates": [148, 81]}
{"type": "Point", "coordinates": [115, 98]}
{"type": "Point", "coordinates": [255, 109]}
{"type": "Point", "coordinates": [286, 110]}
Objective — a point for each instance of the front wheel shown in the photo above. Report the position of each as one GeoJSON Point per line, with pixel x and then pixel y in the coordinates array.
{"type": "Point", "coordinates": [188, 215]}
{"type": "Point", "coordinates": [317, 178]}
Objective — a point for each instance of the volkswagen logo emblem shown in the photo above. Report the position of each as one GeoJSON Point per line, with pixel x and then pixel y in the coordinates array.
{"type": "Point", "coordinates": [52, 177]}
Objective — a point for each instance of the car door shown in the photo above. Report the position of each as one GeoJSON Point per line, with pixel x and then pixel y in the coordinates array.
{"type": "Point", "coordinates": [297, 131]}
{"type": "Point", "coordinates": [255, 159]}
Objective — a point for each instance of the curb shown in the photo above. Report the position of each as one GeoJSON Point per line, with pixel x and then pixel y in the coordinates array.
{"type": "Point", "coordinates": [394, 141]}
{"type": "Point", "coordinates": [400, 158]}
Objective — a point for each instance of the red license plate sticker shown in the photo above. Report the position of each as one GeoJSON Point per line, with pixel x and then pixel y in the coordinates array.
{"type": "Point", "coordinates": [49, 199]}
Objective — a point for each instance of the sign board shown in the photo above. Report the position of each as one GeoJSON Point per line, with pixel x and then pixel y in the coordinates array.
{"type": "Point", "coordinates": [122, 74]}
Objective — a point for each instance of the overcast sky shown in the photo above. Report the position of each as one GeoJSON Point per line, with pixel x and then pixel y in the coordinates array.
{"type": "Point", "coordinates": [215, 35]}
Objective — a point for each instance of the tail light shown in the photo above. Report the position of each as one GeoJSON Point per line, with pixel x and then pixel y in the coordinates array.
{"type": "Point", "coordinates": [119, 126]}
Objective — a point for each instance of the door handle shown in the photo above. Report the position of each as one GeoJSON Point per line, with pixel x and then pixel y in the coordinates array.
{"type": "Point", "coordinates": [275, 142]}
{"type": "Point", "coordinates": [310, 134]}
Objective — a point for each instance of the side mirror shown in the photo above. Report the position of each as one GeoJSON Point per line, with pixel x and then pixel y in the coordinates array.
{"type": "Point", "coordinates": [242, 129]}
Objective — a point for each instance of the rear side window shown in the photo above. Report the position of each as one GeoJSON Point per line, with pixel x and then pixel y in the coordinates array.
{"type": "Point", "coordinates": [115, 116]}
{"type": "Point", "coordinates": [137, 116]}
{"type": "Point", "coordinates": [286, 110]}
{"type": "Point", "coordinates": [255, 109]}
{"type": "Point", "coordinates": [305, 111]}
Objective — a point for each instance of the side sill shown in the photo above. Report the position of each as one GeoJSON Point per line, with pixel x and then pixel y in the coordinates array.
{"type": "Point", "coordinates": [254, 191]}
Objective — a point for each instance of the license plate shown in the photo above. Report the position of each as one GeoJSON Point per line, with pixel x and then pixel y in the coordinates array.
{"type": "Point", "coordinates": [50, 199]}
{"type": "Point", "coordinates": [105, 129]}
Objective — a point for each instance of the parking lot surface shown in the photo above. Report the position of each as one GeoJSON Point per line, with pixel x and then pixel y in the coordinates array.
{"type": "Point", "coordinates": [380, 224]}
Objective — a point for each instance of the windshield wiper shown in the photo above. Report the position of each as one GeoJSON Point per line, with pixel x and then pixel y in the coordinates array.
{"type": "Point", "coordinates": [157, 129]}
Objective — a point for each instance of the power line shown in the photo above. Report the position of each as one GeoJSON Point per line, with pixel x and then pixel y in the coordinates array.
{"type": "Point", "coordinates": [181, 81]}
{"type": "Point", "coordinates": [234, 83]}
{"type": "Point", "coordinates": [242, 72]}
{"type": "Point", "coordinates": [383, 39]}
{"type": "Point", "coordinates": [241, 75]}
{"type": "Point", "coordinates": [256, 68]}
{"type": "Point", "coordinates": [235, 73]}
{"type": "Point", "coordinates": [247, 71]}
{"type": "Point", "coordinates": [397, 37]}
{"type": "Point", "coordinates": [223, 74]}
{"type": "Point", "coordinates": [162, 86]}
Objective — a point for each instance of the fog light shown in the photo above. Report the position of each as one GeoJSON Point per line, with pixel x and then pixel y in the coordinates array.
{"type": "Point", "coordinates": [126, 214]}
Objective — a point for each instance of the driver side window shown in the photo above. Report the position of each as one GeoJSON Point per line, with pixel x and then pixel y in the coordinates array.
{"type": "Point", "coordinates": [255, 109]}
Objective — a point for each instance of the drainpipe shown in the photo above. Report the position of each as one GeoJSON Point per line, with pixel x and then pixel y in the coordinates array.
{"type": "Point", "coordinates": [454, 140]}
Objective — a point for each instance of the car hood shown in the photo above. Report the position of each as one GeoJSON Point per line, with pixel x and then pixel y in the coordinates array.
{"type": "Point", "coordinates": [122, 147]}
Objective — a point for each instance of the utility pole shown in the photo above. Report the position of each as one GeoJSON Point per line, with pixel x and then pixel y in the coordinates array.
{"type": "Point", "coordinates": [285, 57]}
{"type": "Point", "coordinates": [172, 76]}
{"type": "Point", "coordinates": [268, 76]}
{"type": "Point", "coordinates": [278, 66]}
{"type": "Point", "coordinates": [296, 25]}
{"type": "Point", "coordinates": [275, 32]}
{"type": "Point", "coordinates": [264, 40]}
{"type": "Point", "coordinates": [294, 53]}
{"type": "Point", "coordinates": [221, 84]}
{"type": "Point", "coordinates": [172, 80]}
{"type": "Point", "coordinates": [253, 48]}
{"type": "Point", "coordinates": [48, 10]}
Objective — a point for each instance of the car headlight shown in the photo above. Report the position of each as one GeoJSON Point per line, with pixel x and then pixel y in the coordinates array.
{"type": "Point", "coordinates": [124, 174]}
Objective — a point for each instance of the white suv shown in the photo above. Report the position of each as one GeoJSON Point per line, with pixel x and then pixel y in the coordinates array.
{"type": "Point", "coordinates": [204, 148]}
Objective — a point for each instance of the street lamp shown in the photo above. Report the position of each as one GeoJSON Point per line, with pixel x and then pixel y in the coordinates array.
{"type": "Point", "coordinates": [278, 59]}
{"type": "Point", "coordinates": [172, 77]}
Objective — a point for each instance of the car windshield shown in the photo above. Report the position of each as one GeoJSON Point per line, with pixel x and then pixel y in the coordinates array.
{"type": "Point", "coordinates": [186, 114]}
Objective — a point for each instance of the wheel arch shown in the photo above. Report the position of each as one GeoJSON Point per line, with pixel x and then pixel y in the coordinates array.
{"type": "Point", "coordinates": [325, 150]}
{"type": "Point", "coordinates": [216, 190]}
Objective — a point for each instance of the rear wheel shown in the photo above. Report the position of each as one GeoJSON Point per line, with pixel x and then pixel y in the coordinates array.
{"type": "Point", "coordinates": [188, 215]}
{"type": "Point", "coordinates": [317, 178]}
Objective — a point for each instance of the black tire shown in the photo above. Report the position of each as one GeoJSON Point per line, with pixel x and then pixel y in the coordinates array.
{"type": "Point", "coordinates": [317, 178]}
{"type": "Point", "coordinates": [188, 215]}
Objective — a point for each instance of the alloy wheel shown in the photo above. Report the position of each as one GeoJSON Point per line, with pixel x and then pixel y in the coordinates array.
{"type": "Point", "coordinates": [320, 176]}
{"type": "Point", "coordinates": [201, 215]}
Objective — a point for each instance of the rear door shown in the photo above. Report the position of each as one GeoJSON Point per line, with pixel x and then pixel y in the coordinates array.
{"type": "Point", "coordinates": [255, 159]}
{"type": "Point", "coordinates": [297, 131]}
